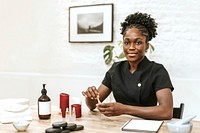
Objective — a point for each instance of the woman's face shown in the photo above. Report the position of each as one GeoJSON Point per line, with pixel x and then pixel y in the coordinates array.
{"type": "Point", "coordinates": [134, 45]}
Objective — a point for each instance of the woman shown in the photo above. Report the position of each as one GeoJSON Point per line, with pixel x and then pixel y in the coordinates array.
{"type": "Point", "coordinates": [140, 87]}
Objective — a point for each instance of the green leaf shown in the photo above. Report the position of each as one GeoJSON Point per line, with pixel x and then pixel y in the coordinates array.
{"type": "Point", "coordinates": [151, 47]}
{"type": "Point", "coordinates": [108, 54]}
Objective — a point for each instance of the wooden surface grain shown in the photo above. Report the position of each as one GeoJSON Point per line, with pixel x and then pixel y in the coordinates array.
{"type": "Point", "coordinates": [93, 122]}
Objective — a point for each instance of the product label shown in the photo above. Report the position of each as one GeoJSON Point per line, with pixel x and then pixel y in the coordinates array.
{"type": "Point", "coordinates": [44, 108]}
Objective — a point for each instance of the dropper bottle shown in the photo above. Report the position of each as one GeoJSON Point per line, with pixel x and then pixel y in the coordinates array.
{"type": "Point", "coordinates": [73, 114]}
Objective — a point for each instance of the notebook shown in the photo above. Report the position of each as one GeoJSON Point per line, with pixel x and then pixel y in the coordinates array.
{"type": "Point", "coordinates": [151, 126]}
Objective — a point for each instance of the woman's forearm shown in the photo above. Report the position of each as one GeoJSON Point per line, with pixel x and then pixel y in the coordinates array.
{"type": "Point", "coordinates": [154, 112]}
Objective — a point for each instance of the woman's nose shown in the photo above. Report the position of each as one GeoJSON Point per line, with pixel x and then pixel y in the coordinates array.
{"type": "Point", "coordinates": [132, 46]}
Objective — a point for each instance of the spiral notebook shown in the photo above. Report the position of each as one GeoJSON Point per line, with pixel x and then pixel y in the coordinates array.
{"type": "Point", "coordinates": [151, 126]}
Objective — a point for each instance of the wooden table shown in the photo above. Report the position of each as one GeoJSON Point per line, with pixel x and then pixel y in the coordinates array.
{"type": "Point", "coordinates": [93, 122]}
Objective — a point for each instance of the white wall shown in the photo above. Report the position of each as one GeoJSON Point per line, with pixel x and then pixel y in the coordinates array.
{"type": "Point", "coordinates": [34, 47]}
{"type": "Point", "coordinates": [29, 85]}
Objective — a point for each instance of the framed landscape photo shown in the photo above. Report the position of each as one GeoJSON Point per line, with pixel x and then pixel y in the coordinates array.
{"type": "Point", "coordinates": [91, 23]}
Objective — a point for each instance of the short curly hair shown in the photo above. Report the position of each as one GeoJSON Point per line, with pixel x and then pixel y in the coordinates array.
{"type": "Point", "coordinates": [143, 22]}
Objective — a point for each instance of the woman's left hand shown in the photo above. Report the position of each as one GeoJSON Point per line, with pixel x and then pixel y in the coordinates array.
{"type": "Point", "coordinates": [111, 109]}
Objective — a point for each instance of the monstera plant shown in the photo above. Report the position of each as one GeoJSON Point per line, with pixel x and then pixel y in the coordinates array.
{"type": "Point", "coordinates": [111, 54]}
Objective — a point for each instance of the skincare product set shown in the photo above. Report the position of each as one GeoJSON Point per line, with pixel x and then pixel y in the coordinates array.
{"type": "Point", "coordinates": [44, 112]}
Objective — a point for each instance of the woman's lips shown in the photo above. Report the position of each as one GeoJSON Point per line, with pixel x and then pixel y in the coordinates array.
{"type": "Point", "coordinates": [132, 54]}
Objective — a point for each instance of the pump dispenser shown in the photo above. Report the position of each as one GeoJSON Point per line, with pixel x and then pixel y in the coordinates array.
{"type": "Point", "coordinates": [44, 105]}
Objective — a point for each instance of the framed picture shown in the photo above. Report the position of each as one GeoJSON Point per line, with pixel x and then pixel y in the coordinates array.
{"type": "Point", "coordinates": [91, 23]}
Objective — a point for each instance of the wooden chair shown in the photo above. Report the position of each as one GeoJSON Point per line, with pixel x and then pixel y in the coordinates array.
{"type": "Point", "coordinates": [178, 111]}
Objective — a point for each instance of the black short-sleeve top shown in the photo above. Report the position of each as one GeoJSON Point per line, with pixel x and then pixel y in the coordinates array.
{"type": "Point", "coordinates": [138, 88]}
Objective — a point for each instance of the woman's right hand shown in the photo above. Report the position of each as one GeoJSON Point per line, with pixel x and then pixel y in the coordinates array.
{"type": "Point", "coordinates": [91, 92]}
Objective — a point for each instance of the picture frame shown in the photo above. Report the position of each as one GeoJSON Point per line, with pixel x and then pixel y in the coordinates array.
{"type": "Point", "coordinates": [91, 23]}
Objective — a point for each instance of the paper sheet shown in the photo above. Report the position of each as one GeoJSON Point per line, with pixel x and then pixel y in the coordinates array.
{"type": "Point", "coordinates": [142, 125]}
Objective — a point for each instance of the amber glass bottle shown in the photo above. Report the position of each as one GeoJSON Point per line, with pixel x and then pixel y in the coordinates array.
{"type": "Point", "coordinates": [44, 105]}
